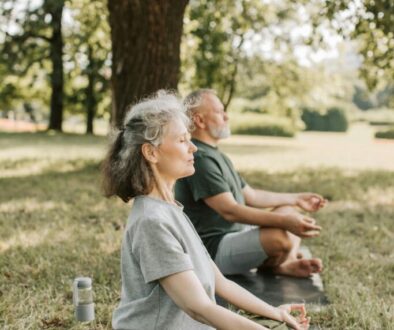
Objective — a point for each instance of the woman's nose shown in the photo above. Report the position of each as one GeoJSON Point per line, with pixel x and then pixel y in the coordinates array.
{"type": "Point", "coordinates": [193, 147]}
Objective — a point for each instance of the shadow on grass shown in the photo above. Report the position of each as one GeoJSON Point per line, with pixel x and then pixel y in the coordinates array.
{"type": "Point", "coordinates": [51, 197]}
{"type": "Point", "coordinates": [52, 184]}
{"type": "Point", "coordinates": [356, 247]}
{"type": "Point", "coordinates": [12, 140]}
{"type": "Point", "coordinates": [45, 247]}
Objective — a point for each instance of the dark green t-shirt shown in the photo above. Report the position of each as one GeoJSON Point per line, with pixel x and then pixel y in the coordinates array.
{"type": "Point", "coordinates": [214, 175]}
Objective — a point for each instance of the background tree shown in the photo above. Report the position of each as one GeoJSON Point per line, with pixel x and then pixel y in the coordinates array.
{"type": "Point", "coordinates": [279, 88]}
{"type": "Point", "coordinates": [247, 50]}
{"type": "Point", "coordinates": [32, 37]}
{"type": "Point", "coordinates": [371, 23]}
{"type": "Point", "coordinates": [215, 34]}
{"type": "Point", "coordinates": [224, 37]}
{"type": "Point", "coordinates": [87, 52]}
{"type": "Point", "coordinates": [146, 36]}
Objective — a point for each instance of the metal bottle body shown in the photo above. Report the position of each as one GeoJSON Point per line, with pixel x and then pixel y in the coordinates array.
{"type": "Point", "coordinates": [83, 299]}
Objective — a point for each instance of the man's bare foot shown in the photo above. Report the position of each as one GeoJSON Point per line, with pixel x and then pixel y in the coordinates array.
{"type": "Point", "coordinates": [295, 255]}
{"type": "Point", "coordinates": [300, 267]}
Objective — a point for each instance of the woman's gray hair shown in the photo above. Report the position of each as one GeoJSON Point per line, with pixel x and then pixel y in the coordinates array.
{"type": "Point", "coordinates": [126, 172]}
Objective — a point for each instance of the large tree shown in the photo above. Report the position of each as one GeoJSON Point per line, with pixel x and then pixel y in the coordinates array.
{"type": "Point", "coordinates": [55, 9]}
{"type": "Point", "coordinates": [146, 36]}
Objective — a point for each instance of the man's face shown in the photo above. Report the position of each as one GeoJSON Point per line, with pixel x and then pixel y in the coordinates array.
{"type": "Point", "coordinates": [215, 117]}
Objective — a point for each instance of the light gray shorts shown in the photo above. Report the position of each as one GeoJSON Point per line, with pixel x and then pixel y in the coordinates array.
{"type": "Point", "coordinates": [241, 251]}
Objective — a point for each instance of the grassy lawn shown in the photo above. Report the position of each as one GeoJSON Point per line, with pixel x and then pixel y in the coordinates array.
{"type": "Point", "coordinates": [55, 225]}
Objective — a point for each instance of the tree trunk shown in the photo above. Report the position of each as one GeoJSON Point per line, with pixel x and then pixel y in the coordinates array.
{"type": "Point", "coordinates": [90, 101]}
{"type": "Point", "coordinates": [55, 9]}
{"type": "Point", "coordinates": [146, 36]}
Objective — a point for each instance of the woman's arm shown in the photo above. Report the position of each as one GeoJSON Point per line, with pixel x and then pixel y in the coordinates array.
{"type": "Point", "coordinates": [186, 291]}
{"type": "Point", "coordinates": [243, 299]}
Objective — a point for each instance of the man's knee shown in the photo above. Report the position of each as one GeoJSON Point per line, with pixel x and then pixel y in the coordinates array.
{"type": "Point", "coordinates": [275, 242]}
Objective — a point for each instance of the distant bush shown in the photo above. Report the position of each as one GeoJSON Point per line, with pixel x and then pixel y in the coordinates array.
{"type": "Point", "coordinates": [387, 134]}
{"type": "Point", "coordinates": [254, 124]}
{"type": "Point", "coordinates": [337, 120]}
{"type": "Point", "coordinates": [270, 130]}
{"type": "Point", "coordinates": [380, 123]}
{"type": "Point", "coordinates": [334, 120]}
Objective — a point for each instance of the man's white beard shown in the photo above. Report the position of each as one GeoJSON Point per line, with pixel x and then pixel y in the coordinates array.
{"type": "Point", "coordinates": [220, 133]}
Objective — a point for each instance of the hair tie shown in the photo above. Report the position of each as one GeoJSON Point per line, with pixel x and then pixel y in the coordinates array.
{"type": "Point", "coordinates": [121, 130]}
{"type": "Point", "coordinates": [134, 121]}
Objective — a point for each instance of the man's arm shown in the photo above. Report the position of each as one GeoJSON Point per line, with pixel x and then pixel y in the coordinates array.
{"type": "Point", "coordinates": [261, 198]}
{"type": "Point", "coordinates": [309, 202]}
{"type": "Point", "coordinates": [232, 211]}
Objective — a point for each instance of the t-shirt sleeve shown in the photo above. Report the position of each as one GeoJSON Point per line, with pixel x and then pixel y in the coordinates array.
{"type": "Point", "coordinates": [158, 251]}
{"type": "Point", "coordinates": [241, 179]}
{"type": "Point", "coordinates": [207, 180]}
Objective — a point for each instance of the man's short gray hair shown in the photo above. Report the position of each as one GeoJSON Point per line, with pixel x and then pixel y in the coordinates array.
{"type": "Point", "coordinates": [194, 99]}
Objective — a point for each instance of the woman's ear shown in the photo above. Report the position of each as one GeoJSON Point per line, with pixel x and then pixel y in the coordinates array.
{"type": "Point", "coordinates": [149, 151]}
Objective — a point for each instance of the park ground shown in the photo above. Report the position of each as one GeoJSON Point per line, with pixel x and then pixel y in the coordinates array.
{"type": "Point", "coordinates": [55, 224]}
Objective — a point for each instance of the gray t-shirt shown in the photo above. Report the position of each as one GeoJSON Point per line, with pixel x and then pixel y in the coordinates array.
{"type": "Point", "coordinates": [159, 240]}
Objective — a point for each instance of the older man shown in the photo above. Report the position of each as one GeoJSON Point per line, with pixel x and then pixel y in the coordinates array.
{"type": "Point", "coordinates": [228, 214]}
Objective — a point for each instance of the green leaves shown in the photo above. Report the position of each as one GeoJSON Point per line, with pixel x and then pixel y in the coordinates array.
{"type": "Point", "coordinates": [371, 24]}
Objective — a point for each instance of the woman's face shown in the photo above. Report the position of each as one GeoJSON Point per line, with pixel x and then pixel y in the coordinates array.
{"type": "Point", "coordinates": [175, 153]}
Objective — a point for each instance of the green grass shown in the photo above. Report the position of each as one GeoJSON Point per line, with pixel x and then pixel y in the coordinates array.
{"type": "Point", "coordinates": [55, 225]}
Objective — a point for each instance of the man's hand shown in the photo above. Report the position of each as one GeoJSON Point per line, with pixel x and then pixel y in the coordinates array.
{"type": "Point", "coordinates": [310, 202]}
{"type": "Point", "coordinates": [301, 225]}
{"type": "Point", "coordinates": [298, 322]}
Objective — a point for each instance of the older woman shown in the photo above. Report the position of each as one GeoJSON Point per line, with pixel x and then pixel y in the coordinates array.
{"type": "Point", "coordinates": [168, 279]}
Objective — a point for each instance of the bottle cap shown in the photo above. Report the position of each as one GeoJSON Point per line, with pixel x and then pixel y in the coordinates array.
{"type": "Point", "coordinates": [83, 282]}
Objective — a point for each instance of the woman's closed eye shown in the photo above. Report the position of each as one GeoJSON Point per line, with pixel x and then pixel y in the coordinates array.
{"type": "Point", "coordinates": [185, 139]}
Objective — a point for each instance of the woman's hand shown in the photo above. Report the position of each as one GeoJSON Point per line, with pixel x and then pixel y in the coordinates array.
{"type": "Point", "coordinates": [299, 322]}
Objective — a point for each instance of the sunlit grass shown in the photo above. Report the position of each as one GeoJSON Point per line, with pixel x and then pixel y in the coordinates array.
{"type": "Point", "coordinates": [55, 224]}
{"type": "Point", "coordinates": [355, 150]}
